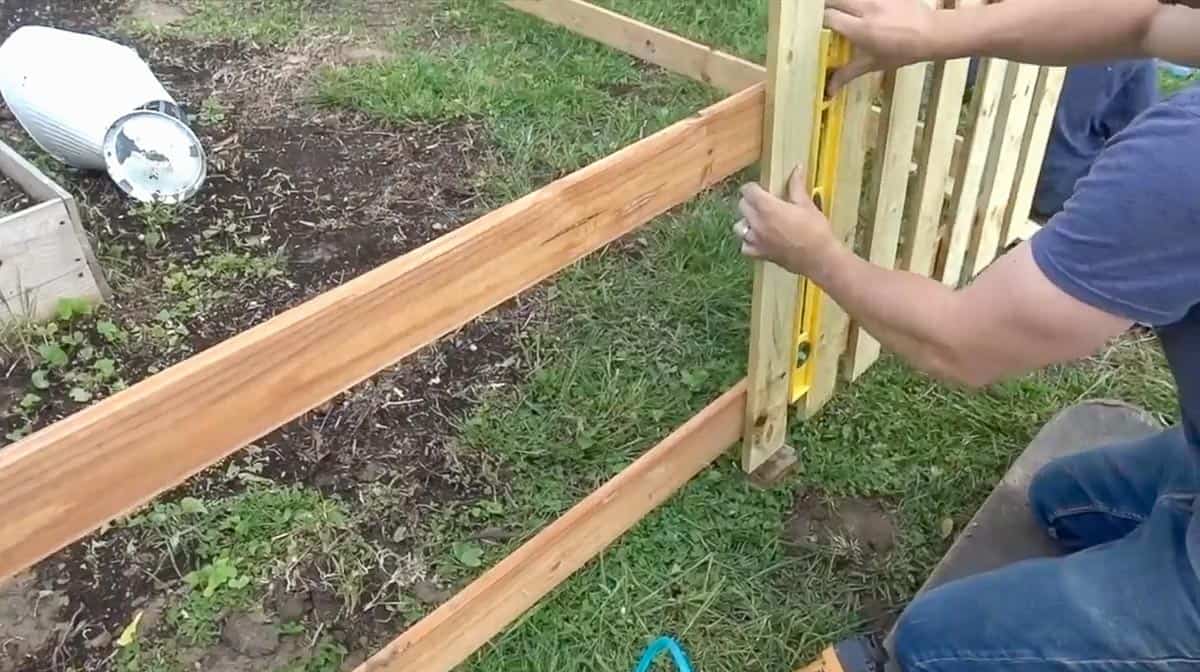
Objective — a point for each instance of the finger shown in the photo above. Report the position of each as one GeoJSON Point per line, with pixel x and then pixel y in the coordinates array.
{"type": "Point", "coordinates": [798, 186]}
{"type": "Point", "coordinates": [852, 7]}
{"type": "Point", "coordinates": [747, 209]}
{"type": "Point", "coordinates": [856, 68]}
{"type": "Point", "coordinates": [756, 196]}
{"type": "Point", "coordinates": [752, 251]}
{"type": "Point", "coordinates": [750, 237]}
{"type": "Point", "coordinates": [844, 23]}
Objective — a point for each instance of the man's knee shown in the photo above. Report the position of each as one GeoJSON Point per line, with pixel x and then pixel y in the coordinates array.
{"type": "Point", "coordinates": [1049, 491]}
{"type": "Point", "coordinates": [920, 631]}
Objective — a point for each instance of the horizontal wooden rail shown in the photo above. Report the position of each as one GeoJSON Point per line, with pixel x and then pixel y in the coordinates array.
{"type": "Point", "coordinates": [653, 45]}
{"type": "Point", "coordinates": [457, 629]}
{"type": "Point", "coordinates": [671, 52]}
{"type": "Point", "coordinates": [68, 479]}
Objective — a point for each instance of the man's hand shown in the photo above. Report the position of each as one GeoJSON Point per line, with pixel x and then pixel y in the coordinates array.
{"type": "Point", "coordinates": [792, 233]}
{"type": "Point", "coordinates": [886, 34]}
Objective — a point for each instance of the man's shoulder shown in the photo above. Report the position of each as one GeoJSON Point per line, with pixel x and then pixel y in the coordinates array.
{"type": "Point", "coordinates": [1128, 239]}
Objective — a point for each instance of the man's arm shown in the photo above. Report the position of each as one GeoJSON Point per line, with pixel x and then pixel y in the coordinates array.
{"type": "Point", "coordinates": [892, 33]}
{"type": "Point", "coordinates": [1009, 321]}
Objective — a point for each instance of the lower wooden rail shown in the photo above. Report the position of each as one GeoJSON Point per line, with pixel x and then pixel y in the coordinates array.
{"type": "Point", "coordinates": [454, 631]}
{"type": "Point", "coordinates": [68, 479]}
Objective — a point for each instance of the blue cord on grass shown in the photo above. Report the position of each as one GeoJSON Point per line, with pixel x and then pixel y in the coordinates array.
{"type": "Point", "coordinates": [665, 644]}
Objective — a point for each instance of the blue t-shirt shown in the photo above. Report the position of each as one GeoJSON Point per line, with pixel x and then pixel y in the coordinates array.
{"type": "Point", "coordinates": [1128, 240]}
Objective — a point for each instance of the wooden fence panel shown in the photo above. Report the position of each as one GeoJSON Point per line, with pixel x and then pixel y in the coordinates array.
{"type": "Point", "coordinates": [1001, 170]}
{"type": "Point", "coordinates": [832, 335]}
{"type": "Point", "coordinates": [960, 218]}
{"type": "Point", "coordinates": [792, 76]}
{"type": "Point", "coordinates": [880, 237]}
{"type": "Point", "coordinates": [1033, 152]}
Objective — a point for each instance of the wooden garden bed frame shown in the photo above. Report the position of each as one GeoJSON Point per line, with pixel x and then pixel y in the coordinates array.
{"type": "Point", "coordinates": [44, 254]}
{"type": "Point", "coordinates": [70, 479]}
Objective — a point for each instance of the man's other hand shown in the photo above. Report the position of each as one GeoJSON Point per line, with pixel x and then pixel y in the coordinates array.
{"type": "Point", "coordinates": [886, 34]}
{"type": "Point", "coordinates": [791, 233]}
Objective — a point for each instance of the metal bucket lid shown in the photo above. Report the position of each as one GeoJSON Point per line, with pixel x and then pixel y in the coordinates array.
{"type": "Point", "coordinates": [154, 157]}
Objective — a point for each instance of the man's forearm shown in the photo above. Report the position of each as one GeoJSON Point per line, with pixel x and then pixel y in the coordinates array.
{"type": "Point", "coordinates": [909, 315]}
{"type": "Point", "coordinates": [1065, 32]}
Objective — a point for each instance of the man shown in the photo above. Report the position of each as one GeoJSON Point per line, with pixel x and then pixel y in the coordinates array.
{"type": "Point", "coordinates": [1124, 249]}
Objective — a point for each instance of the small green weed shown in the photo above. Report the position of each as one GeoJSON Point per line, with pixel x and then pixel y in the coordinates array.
{"type": "Point", "coordinates": [212, 112]}
{"type": "Point", "coordinates": [236, 546]}
{"type": "Point", "coordinates": [202, 286]}
{"type": "Point", "coordinates": [78, 352]}
{"type": "Point", "coordinates": [156, 219]}
{"type": "Point", "coordinates": [327, 657]}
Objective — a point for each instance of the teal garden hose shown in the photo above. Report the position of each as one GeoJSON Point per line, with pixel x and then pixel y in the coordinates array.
{"type": "Point", "coordinates": [665, 644]}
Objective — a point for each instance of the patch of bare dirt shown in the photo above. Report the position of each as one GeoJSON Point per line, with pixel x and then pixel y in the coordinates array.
{"type": "Point", "coordinates": [857, 533]}
{"type": "Point", "coordinates": [79, 15]}
{"type": "Point", "coordinates": [32, 618]}
{"type": "Point", "coordinates": [855, 528]}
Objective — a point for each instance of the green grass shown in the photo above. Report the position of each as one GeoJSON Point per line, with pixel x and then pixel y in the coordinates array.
{"type": "Point", "coordinates": [641, 345]}
{"type": "Point", "coordinates": [640, 341]}
{"type": "Point", "coordinates": [552, 102]}
{"type": "Point", "coordinates": [736, 26]}
{"type": "Point", "coordinates": [264, 22]}
{"type": "Point", "coordinates": [1170, 83]}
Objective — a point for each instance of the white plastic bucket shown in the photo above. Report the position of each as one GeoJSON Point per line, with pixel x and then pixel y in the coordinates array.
{"type": "Point", "coordinates": [66, 89]}
{"type": "Point", "coordinates": [73, 93]}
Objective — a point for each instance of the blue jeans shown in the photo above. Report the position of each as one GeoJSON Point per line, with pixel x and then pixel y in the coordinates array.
{"type": "Point", "coordinates": [1127, 598]}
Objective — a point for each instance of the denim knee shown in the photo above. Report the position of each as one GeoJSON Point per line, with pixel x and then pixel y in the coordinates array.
{"type": "Point", "coordinates": [923, 631]}
{"type": "Point", "coordinates": [1047, 493]}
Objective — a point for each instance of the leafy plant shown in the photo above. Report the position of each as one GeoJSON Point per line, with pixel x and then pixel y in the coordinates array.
{"type": "Point", "coordinates": [236, 545]}
{"type": "Point", "coordinates": [212, 111]}
{"type": "Point", "coordinates": [468, 553]}
{"type": "Point", "coordinates": [76, 353]}
{"type": "Point", "coordinates": [220, 573]}
{"type": "Point", "coordinates": [157, 219]}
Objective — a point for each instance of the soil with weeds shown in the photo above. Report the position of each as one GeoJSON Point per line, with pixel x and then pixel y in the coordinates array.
{"type": "Point", "coordinates": [12, 198]}
{"type": "Point", "coordinates": [298, 200]}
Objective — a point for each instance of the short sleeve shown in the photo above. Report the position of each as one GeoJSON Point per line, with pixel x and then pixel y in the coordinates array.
{"type": "Point", "coordinates": [1128, 239]}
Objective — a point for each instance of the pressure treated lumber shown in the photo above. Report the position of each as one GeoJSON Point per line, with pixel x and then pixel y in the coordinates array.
{"type": "Point", "coordinates": [1033, 151]}
{"type": "Point", "coordinates": [70, 478]}
{"type": "Point", "coordinates": [484, 608]}
{"type": "Point", "coordinates": [894, 152]}
{"type": "Point", "coordinates": [1001, 170]}
{"type": "Point", "coordinates": [985, 98]}
{"type": "Point", "coordinates": [832, 336]}
{"type": "Point", "coordinates": [793, 73]}
{"type": "Point", "coordinates": [666, 50]}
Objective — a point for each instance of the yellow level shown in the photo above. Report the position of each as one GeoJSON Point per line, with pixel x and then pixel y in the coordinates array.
{"type": "Point", "coordinates": [822, 172]}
